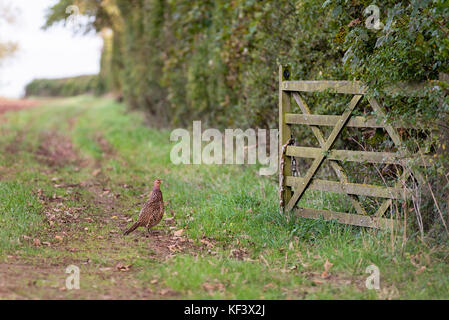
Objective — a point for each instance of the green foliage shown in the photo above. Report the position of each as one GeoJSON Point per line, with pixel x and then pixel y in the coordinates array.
{"type": "Point", "coordinates": [217, 60]}
{"type": "Point", "coordinates": [63, 87]}
{"type": "Point", "coordinates": [413, 45]}
{"type": "Point", "coordinates": [19, 214]}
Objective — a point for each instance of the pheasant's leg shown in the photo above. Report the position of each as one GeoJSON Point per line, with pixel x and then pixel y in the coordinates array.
{"type": "Point", "coordinates": [149, 231]}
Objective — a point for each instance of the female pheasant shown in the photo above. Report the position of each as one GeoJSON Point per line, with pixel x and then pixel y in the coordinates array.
{"type": "Point", "coordinates": [152, 211]}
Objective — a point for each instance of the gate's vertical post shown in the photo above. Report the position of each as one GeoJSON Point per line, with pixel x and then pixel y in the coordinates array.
{"type": "Point", "coordinates": [284, 132]}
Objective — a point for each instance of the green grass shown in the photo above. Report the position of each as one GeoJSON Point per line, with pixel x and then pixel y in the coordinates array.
{"type": "Point", "coordinates": [19, 214]}
{"type": "Point", "coordinates": [231, 206]}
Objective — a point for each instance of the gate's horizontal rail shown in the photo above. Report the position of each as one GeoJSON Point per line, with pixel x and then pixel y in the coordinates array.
{"type": "Point", "coordinates": [348, 188]}
{"type": "Point", "coordinates": [356, 156]}
{"type": "Point", "coordinates": [345, 87]}
{"type": "Point", "coordinates": [331, 121]}
{"type": "Point", "coordinates": [347, 218]}
{"type": "Point", "coordinates": [402, 88]}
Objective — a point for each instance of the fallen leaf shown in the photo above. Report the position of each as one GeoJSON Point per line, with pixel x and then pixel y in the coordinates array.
{"type": "Point", "coordinates": [166, 292]}
{"type": "Point", "coordinates": [269, 286]}
{"type": "Point", "coordinates": [58, 238]}
{"type": "Point", "coordinates": [207, 243]}
{"type": "Point", "coordinates": [178, 233]}
{"type": "Point", "coordinates": [211, 287]}
{"type": "Point", "coordinates": [37, 242]}
{"type": "Point", "coordinates": [154, 281]}
{"type": "Point", "coordinates": [238, 254]}
{"type": "Point", "coordinates": [173, 248]}
{"type": "Point", "coordinates": [327, 266]}
{"type": "Point", "coordinates": [105, 269]}
{"type": "Point", "coordinates": [123, 268]}
{"type": "Point", "coordinates": [96, 172]}
{"type": "Point", "coordinates": [208, 287]}
{"type": "Point", "coordinates": [354, 22]}
{"type": "Point", "coordinates": [420, 270]}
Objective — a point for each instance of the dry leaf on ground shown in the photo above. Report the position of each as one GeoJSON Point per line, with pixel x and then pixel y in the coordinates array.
{"type": "Point", "coordinates": [123, 268]}
{"type": "Point", "coordinates": [420, 270]}
{"type": "Point", "coordinates": [178, 233]}
{"type": "Point", "coordinates": [327, 266]}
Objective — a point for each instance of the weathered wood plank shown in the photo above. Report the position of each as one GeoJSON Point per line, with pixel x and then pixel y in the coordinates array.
{"type": "Point", "coordinates": [347, 218]}
{"type": "Point", "coordinates": [356, 156]}
{"type": "Point", "coordinates": [331, 121]}
{"type": "Point", "coordinates": [401, 88]}
{"type": "Point", "coordinates": [394, 135]}
{"type": "Point", "coordinates": [345, 155]}
{"type": "Point", "coordinates": [345, 87]}
{"type": "Point", "coordinates": [348, 188]}
{"type": "Point", "coordinates": [284, 132]}
{"type": "Point", "coordinates": [383, 208]}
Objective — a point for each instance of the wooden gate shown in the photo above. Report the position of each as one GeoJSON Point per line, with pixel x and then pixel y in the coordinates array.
{"type": "Point", "coordinates": [292, 188]}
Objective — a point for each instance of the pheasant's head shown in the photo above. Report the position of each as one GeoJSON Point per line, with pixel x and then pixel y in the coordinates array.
{"type": "Point", "coordinates": [157, 183]}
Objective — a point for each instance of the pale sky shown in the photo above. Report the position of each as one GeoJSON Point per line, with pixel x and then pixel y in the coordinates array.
{"type": "Point", "coordinates": [53, 53]}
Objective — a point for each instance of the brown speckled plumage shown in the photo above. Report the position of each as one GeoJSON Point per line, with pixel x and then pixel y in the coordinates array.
{"type": "Point", "coordinates": [152, 211]}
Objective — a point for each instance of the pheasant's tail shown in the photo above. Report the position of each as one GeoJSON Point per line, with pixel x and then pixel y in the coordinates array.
{"type": "Point", "coordinates": [134, 227]}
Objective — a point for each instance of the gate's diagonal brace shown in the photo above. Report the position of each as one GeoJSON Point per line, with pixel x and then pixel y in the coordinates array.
{"type": "Point", "coordinates": [334, 164]}
{"type": "Point", "coordinates": [392, 132]}
{"type": "Point", "coordinates": [300, 188]}
{"type": "Point", "coordinates": [387, 203]}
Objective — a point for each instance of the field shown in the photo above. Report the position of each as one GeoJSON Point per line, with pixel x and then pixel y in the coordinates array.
{"type": "Point", "coordinates": [74, 173]}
